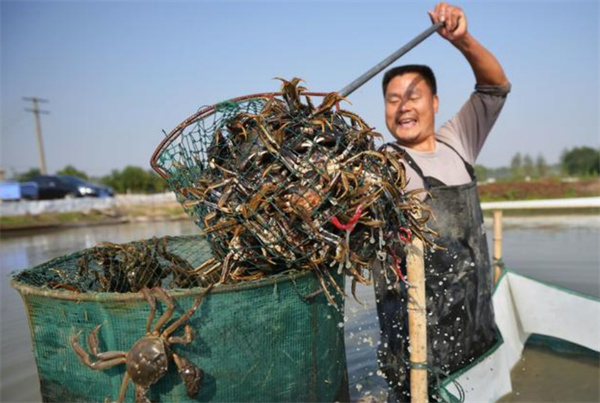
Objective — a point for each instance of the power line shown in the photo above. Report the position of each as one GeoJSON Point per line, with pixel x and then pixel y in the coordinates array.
{"type": "Point", "coordinates": [38, 128]}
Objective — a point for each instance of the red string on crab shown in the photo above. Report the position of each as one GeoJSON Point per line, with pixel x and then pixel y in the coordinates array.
{"type": "Point", "coordinates": [348, 227]}
{"type": "Point", "coordinates": [396, 265]}
{"type": "Point", "coordinates": [404, 234]}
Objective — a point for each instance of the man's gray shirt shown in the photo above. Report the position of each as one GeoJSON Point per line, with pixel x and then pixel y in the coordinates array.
{"type": "Point", "coordinates": [466, 132]}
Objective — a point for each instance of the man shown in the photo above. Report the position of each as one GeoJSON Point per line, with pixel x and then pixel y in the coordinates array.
{"type": "Point", "coordinates": [460, 318]}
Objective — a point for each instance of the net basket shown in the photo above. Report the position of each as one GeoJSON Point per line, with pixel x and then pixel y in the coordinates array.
{"type": "Point", "coordinates": [266, 340]}
{"type": "Point", "coordinates": [277, 183]}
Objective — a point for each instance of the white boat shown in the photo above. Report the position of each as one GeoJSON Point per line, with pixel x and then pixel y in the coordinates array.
{"type": "Point", "coordinates": [523, 307]}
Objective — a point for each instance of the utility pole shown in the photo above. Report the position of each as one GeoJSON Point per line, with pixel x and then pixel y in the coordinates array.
{"type": "Point", "coordinates": [38, 129]}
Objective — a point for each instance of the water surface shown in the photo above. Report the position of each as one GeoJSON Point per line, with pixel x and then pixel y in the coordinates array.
{"type": "Point", "coordinates": [561, 250]}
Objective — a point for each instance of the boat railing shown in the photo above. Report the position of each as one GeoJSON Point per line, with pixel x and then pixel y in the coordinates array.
{"type": "Point", "coordinates": [553, 204]}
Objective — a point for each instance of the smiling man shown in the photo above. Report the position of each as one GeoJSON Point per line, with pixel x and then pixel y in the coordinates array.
{"type": "Point", "coordinates": [461, 325]}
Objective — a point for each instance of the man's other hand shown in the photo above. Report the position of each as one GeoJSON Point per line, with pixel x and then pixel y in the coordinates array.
{"type": "Point", "coordinates": [455, 21]}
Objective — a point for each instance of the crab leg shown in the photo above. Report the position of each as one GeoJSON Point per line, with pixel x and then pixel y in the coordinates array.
{"type": "Point", "coordinates": [152, 302]}
{"type": "Point", "coordinates": [186, 339]}
{"type": "Point", "coordinates": [163, 296]}
{"type": "Point", "coordinates": [140, 394]}
{"type": "Point", "coordinates": [167, 332]}
{"type": "Point", "coordinates": [191, 375]}
{"type": "Point", "coordinates": [105, 360]}
{"type": "Point", "coordinates": [93, 340]}
{"type": "Point", "coordinates": [124, 384]}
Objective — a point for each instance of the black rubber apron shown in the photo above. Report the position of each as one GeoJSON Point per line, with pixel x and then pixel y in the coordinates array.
{"type": "Point", "coordinates": [458, 289]}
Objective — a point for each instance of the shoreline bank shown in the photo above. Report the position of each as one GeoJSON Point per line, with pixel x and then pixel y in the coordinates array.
{"type": "Point", "coordinates": [126, 214]}
{"type": "Point", "coordinates": [28, 224]}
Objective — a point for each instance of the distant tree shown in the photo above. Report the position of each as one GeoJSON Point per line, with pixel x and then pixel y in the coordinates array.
{"type": "Point", "coordinates": [481, 173]}
{"type": "Point", "coordinates": [134, 179]}
{"type": "Point", "coordinates": [28, 175]}
{"type": "Point", "coordinates": [157, 184]}
{"type": "Point", "coordinates": [581, 161]}
{"type": "Point", "coordinates": [541, 166]}
{"type": "Point", "coordinates": [528, 169]}
{"type": "Point", "coordinates": [516, 166]}
{"type": "Point", "coordinates": [499, 173]}
{"type": "Point", "coordinates": [71, 170]}
{"type": "Point", "coordinates": [112, 180]}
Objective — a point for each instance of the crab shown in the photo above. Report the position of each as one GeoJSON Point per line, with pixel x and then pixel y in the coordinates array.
{"type": "Point", "coordinates": [148, 359]}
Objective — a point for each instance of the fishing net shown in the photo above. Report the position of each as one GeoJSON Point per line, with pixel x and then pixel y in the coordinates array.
{"type": "Point", "coordinates": [270, 340]}
{"type": "Point", "coordinates": [123, 268]}
{"type": "Point", "coordinates": [277, 183]}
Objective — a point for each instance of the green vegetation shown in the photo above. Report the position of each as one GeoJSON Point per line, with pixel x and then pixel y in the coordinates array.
{"type": "Point", "coordinates": [71, 170]}
{"type": "Point", "coordinates": [135, 179]}
{"type": "Point", "coordinates": [166, 211]}
{"type": "Point", "coordinates": [28, 175]}
{"type": "Point", "coordinates": [130, 179]}
{"type": "Point", "coordinates": [583, 161]}
{"type": "Point", "coordinates": [49, 219]}
{"type": "Point", "coordinates": [548, 188]}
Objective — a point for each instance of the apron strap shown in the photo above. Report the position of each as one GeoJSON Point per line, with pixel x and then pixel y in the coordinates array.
{"type": "Point", "coordinates": [430, 180]}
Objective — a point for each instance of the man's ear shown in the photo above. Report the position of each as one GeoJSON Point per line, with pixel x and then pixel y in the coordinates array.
{"type": "Point", "coordinates": [436, 102]}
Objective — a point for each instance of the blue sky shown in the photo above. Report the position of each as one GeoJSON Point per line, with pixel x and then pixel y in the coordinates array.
{"type": "Point", "coordinates": [117, 73]}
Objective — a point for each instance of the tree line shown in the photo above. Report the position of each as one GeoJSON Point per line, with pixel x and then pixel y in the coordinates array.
{"type": "Point", "coordinates": [579, 161]}
{"type": "Point", "coordinates": [129, 179]}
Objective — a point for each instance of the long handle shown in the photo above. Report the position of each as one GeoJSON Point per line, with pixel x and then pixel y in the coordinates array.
{"type": "Point", "coordinates": [417, 321]}
{"type": "Point", "coordinates": [354, 85]}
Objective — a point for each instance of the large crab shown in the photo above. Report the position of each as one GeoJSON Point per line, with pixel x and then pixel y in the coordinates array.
{"type": "Point", "coordinates": [147, 361]}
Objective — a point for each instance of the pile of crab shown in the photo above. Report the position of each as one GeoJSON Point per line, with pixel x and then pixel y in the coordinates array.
{"type": "Point", "coordinates": [298, 186]}
{"type": "Point", "coordinates": [122, 268]}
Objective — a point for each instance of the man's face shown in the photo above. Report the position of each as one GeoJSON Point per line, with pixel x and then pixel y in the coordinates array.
{"type": "Point", "coordinates": [410, 110]}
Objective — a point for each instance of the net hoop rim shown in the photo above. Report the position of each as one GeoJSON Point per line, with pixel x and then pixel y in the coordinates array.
{"type": "Point", "coordinates": [26, 289]}
{"type": "Point", "coordinates": [202, 113]}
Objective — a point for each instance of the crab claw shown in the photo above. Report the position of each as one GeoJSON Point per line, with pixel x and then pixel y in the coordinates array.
{"type": "Point", "coordinates": [191, 375]}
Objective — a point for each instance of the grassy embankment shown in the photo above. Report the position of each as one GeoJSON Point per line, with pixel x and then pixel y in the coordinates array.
{"type": "Point", "coordinates": [499, 191]}
{"type": "Point", "coordinates": [123, 214]}
{"type": "Point", "coordinates": [540, 190]}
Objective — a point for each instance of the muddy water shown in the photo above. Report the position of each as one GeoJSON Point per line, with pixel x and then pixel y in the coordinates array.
{"type": "Point", "coordinates": [561, 250]}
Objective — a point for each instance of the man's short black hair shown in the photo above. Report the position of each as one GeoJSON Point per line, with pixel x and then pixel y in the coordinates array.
{"type": "Point", "coordinates": [422, 70]}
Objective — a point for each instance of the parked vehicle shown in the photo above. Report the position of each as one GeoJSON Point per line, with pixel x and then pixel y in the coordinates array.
{"type": "Point", "coordinates": [85, 188]}
{"type": "Point", "coordinates": [10, 191]}
{"type": "Point", "coordinates": [59, 186]}
{"type": "Point", "coordinates": [15, 191]}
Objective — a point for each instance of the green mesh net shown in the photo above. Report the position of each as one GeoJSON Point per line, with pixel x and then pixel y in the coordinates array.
{"type": "Point", "coordinates": [274, 339]}
{"type": "Point", "coordinates": [128, 267]}
{"type": "Point", "coordinates": [277, 183]}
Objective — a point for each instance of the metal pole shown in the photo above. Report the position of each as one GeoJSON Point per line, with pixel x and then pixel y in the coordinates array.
{"type": "Point", "coordinates": [497, 245]}
{"type": "Point", "coordinates": [417, 321]}
{"type": "Point", "coordinates": [38, 129]}
{"type": "Point", "coordinates": [354, 85]}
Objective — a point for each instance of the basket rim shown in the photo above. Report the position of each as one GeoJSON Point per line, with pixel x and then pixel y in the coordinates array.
{"type": "Point", "coordinates": [206, 111]}
{"type": "Point", "coordinates": [26, 289]}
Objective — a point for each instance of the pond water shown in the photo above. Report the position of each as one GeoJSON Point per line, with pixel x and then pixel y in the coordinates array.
{"type": "Point", "coordinates": [563, 250]}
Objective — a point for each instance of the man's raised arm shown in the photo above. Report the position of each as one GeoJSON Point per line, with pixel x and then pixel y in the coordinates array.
{"type": "Point", "coordinates": [486, 67]}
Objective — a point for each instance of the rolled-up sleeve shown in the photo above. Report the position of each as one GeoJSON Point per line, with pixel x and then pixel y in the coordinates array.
{"type": "Point", "coordinates": [470, 127]}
